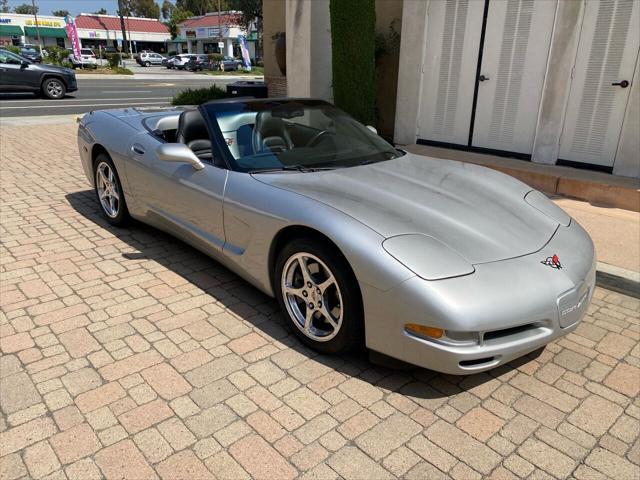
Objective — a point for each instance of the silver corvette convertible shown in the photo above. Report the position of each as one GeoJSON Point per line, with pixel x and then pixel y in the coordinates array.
{"type": "Point", "coordinates": [445, 265]}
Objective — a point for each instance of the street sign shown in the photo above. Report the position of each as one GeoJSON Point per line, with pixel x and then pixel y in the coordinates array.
{"type": "Point", "coordinates": [221, 45]}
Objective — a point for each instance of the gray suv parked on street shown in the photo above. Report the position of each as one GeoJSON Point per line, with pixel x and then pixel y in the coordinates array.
{"type": "Point", "coordinates": [17, 74]}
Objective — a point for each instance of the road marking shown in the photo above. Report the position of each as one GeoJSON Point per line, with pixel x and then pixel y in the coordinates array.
{"type": "Point", "coordinates": [89, 105]}
{"type": "Point", "coordinates": [68, 100]}
{"type": "Point", "coordinates": [125, 91]}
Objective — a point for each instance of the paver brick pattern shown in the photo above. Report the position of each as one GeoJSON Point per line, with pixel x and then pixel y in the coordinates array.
{"type": "Point", "coordinates": [126, 353]}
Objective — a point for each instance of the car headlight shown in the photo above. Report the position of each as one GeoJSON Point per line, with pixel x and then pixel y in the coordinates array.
{"type": "Point", "coordinates": [427, 257]}
{"type": "Point", "coordinates": [540, 202]}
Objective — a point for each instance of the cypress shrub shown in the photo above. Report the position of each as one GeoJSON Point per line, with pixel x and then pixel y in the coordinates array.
{"type": "Point", "coordinates": [353, 42]}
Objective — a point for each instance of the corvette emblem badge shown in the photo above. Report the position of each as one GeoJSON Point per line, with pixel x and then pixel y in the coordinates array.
{"type": "Point", "coordinates": [553, 262]}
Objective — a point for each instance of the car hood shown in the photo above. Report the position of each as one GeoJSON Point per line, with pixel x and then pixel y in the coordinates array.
{"type": "Point", "coordinates": [478, 212]}
{"type": "Point", "coordinates": [45, 67]}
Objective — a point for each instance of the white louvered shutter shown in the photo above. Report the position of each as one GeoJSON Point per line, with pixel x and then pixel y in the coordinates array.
{"type": "Point", "coordinates": [515, 53]}
{"type": "Point", "coordinates": [451, 56]}
{"type": "Point", "coordinates": [607, 53]}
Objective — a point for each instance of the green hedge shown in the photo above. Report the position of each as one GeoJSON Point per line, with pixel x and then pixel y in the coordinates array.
{"type": "Point", "coordinates": [353, 43]}
{"type": "Point", "coordinates": [199, 95]}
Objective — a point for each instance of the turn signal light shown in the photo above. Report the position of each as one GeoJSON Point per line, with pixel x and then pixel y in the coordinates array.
{"type": "Point", "coordinates": [423, 330]}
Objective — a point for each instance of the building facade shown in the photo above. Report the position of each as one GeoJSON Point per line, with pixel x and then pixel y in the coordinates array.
{"type": "Point", "coordinates": [17, 29]}
{"type": "Point", "coordinates": [553, 81]}
{"type": "Point", "coordinates": [94, 31]}
{"type": "Point", "coordinates": [213, 33]}
{"type": "Point", "coordinates": [105, 31]}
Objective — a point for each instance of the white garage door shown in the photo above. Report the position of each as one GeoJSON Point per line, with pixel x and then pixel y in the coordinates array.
{"type": "Point", "coordinates": [604, 67]}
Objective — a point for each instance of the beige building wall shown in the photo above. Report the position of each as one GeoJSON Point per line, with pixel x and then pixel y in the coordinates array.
{"type": "Point", "coordinates": [273, 24]}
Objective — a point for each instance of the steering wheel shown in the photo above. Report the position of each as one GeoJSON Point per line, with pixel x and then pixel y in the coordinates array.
{"type": "Point", "coordinates": [317, 137]}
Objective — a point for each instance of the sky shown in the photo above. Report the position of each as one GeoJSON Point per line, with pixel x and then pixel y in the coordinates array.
{"type": "Point", "coordinates": [74, 6]}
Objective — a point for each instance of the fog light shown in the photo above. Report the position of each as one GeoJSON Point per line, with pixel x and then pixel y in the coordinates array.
{"type": "Point", "coordinates": [423, 330]}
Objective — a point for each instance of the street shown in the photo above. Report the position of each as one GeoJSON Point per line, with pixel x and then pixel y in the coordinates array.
{"type": "Point", "coordinates": [96, 93]}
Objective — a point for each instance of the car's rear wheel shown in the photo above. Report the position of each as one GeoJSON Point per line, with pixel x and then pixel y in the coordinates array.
{"type": "Point", "coordinates": [147, 63]}
{"type": "Point", "coordinates": [319, 294]}
{"type": "Point", "coordinates": [109, 191]}
{"type": "Point", "coordinates": [54, 88]}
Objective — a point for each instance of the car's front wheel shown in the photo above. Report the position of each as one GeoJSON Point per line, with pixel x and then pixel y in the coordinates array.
{"type": "Point", "coordinates": [54, 88]}
{"type": "Point", "coordinates": [109, 191]}
{"type": "Point", "coordinates": [319, 294]}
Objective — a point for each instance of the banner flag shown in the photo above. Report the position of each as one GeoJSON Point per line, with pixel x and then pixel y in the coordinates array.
{"type": "Point", "coordinates": [72, 33]}
{"type": "Point", "coordinates": [245, 52]}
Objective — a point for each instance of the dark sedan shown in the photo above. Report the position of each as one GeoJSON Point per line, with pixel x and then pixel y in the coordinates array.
{"type": "Point", "coordinates": [31, 54]}
{"type": "Point", "coordinates": [230, 63]}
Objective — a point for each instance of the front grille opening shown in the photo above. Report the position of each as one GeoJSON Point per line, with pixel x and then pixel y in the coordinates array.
{"type": "Point", "coordinates": [476, 362]}
{"type": "Point", "coordinates": [507, 332]}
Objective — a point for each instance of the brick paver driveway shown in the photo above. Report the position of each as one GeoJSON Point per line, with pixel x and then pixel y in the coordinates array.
{"type": "Point", "coordinates": [126, 353]}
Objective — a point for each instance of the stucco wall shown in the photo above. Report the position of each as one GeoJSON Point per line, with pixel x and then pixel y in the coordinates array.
{"type": "Point", "coordinates": [412, 44]}
{"type": "Point", "coordinates": [309, 70]}
{"type": "Point", "coordinates": [555, 93]}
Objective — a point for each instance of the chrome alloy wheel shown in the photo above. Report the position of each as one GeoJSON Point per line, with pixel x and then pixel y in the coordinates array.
{"type": "Point", "coordinates": [55, 89]}
{"type": "Point", "coordinates": [108, 190]}
{"type": "Point", "coordinates": [312, 296]}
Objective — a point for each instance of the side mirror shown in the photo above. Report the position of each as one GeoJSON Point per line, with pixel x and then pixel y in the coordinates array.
{"type": "Point", "coordinates": [24, 64]}
{"type": "Point", "coordinates": [178, 153]}
{"type": "Point", "coordinates": [373, 129]}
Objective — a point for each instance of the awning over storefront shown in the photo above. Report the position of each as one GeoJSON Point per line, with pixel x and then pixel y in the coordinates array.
{"type": "Point", "coordinates": [178, 40]}
{"type": "Point", "coordinates": [46, 32]}
{"type": "Point", "coordinates": [10, 31]}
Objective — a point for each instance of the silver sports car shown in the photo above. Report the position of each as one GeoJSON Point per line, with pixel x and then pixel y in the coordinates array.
{"type": "Point", "coordinates": [445, 265]}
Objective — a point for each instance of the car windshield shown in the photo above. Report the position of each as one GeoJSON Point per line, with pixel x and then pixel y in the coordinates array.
{"type": "Point", "coordinates": [86, 51]}
{"type": "Point", "coordinates": [11, 58]}
{"type": "Point", "coordinates": [300, 135]}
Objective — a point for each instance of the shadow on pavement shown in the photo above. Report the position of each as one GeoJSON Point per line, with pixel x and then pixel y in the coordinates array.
{"type": "Point", "coordinates": [425, 387]}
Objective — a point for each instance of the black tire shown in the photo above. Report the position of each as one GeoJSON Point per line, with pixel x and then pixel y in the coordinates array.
{"type": "Point", "coordinates": [122, 217]}
{"type": "Point", "coordinates": [350, 335]}
{"type": "Point", "coordinates": [147, 64]}
{"type": "Point", "coordinates": [54, 88]}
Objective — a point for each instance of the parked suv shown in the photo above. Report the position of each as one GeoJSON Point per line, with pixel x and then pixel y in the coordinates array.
{"type": "Point", "coordinates": [146, 59]}
{"type": "Point", "coordinates": [17, 74]}
{"type": "Point", "coordinates": [180, 61]}
{"type": "Point", "coordinates": [230, 63]}
{"type": "Point", "coordinates": [198, 62]}
{"type": "Point", "coordinates": [87, 59]}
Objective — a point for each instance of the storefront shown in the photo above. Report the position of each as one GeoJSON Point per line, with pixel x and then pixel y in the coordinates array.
{"type": "Point", "coordinates": [211, 33]}
{"type": "Point", "coordinates": [105, 31]}
{"type": "Point", "coordinates": [17, 29]}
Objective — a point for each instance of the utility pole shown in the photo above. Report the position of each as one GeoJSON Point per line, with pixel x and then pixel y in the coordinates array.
{"type": "Point", "coordinates": [125, 45]}
{"type": "Point", "coordinates": [219, 29]}
{"type": "Point", "coordinates": [35, 16]}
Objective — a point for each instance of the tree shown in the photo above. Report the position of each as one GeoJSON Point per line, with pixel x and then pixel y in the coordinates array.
{"type": "Point", "coordinates": [25, 9]}
{"type": "Point", "coordinates": [200, 7]}
{"type": "Point", "coordinates": [60, 13]}
{"type": "Point", "coordinates": [178, 15]}
{"type": "Point", "coordinates": [141, 8]}
{"type": "Point", "coordinates": [167, 9]}
{"type": "Point", "coordinates": [102, 11]}
{"type": "Point", "coordinates": [4, 6]}
{"type": "Point", "coordinates": [251, 12]}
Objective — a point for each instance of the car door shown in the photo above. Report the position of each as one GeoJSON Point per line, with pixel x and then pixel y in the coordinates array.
{"type": "Point", "coordinates": [177, 197]}
{"type": "Point", "coordinates": [16, 77]}
{"type": "Point", "coordinates": [157, 59]}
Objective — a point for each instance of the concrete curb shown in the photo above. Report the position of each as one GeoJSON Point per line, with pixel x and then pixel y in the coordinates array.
{"type": "Point", "coordinates": [168, 78]}
{"type": "Point", "coordinates": [618, 279]}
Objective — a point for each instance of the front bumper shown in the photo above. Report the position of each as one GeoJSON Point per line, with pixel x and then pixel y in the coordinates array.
{"type": "Point", "coordinates": [504, 310]}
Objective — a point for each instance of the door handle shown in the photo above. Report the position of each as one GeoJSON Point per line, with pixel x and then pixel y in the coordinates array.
{"type": "Point", "coordinates": [623, 84]}
{"type": "Point", "coordinates": [137, 149]}
{"type": "Point", "coordinates": [482, 78]}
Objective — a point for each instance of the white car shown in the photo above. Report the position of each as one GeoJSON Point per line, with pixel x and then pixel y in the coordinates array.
{"type": "Point", "coordinates": [87, 59]}
{"type": "Point", "coordinates": [180, 61]}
